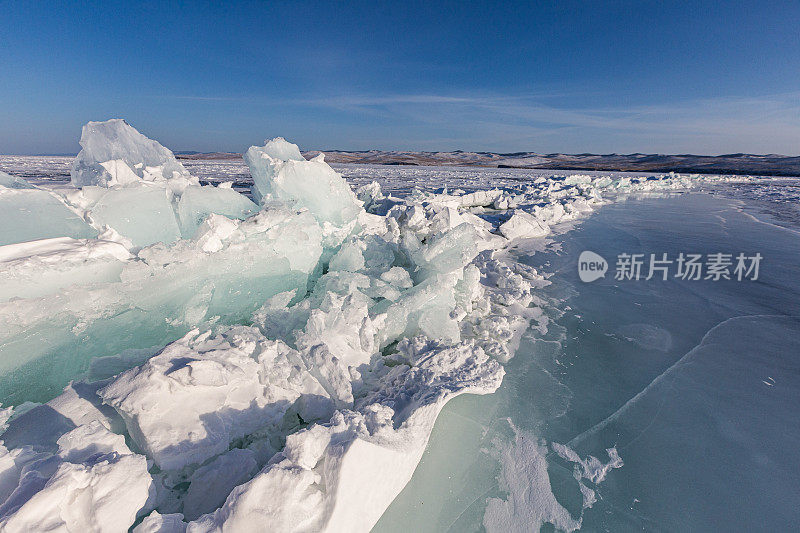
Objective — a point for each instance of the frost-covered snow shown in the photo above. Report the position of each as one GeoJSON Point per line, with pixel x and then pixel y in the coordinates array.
{"type": "Point", "coordinates": [272, 365]}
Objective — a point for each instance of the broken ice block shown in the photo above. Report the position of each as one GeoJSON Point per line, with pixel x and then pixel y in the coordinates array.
{"type": "Point", "coordinates": [31, 214]}
{"type": "Point", "coordinates": [13, 182]}
{"type": "Point", "coordinates": [523, 225]}
{"type": "Point", "coordinates": [160, 297]}
{"type": "Point", "coordinates": [279, 170]}
{"type": "Point", "coordinates": [42, 267]}
{"type": "Point", "coordinates": [197, 203]}
{"type": "Point", "coordinates": [262, 161]}
{"type": "Point", "coordinates": [141, 213]}
{"type": "Point", "coordinates": [115, 153]}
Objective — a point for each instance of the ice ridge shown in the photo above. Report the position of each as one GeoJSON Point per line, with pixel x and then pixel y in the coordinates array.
{"type": "Point", "coordinates": [276, 365]}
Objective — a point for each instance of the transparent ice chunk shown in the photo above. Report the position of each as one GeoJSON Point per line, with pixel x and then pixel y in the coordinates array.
{"type": "Point", "coordinates": [31, 214]}
{"type": "Point", "coordinates": [142, 213]}
{"type": "Point", "coordinates": [13, 182]}
{"type": "Point", "coordinates": [280, 172]}
{"type": "Point", "coordinates": [115, 153]}
{"type": "Point", "coordinates": [197, 203]}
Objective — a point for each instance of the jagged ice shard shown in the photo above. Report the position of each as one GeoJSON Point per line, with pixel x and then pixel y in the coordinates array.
{"type": "Point", "coordinates": [296, 350]}
{"type": "Point", "coordinates": [114, 153]}
{"type": "Point", "coordinates": [281, 173]}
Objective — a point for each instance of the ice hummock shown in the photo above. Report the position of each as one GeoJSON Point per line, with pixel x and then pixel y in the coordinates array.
{"type": "Point", "coordinates": [281, 173]}
{"type": "Point", "coordinates": [223, 275]}
{"type": "Point", "coordinates": [298, 356]}
{"type": "Point", "coordinates": [41, 267]}
{"type": "Point", "coordinates": [136, 186]}
{"type": "Point", "coordinates": [197, 203]}
{"type": "Point", "coordinates": [264, 160]}
{"type": "Point", "coordinates": [28, 213]}
{"type": "Point", "coordinates": [115, 153]}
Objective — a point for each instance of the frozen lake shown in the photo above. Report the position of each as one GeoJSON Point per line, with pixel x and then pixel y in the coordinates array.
{"type": "Point", "coordinates": [657, 404]}
{"type": "Point", "coordinates": [398, 179]}
{"type": "Point", "coordinates": [696, 384]}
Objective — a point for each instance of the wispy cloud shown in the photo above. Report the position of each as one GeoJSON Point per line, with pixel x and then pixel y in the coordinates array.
{"type": "Point", "coordinates": [363, 101]}
{"type": "Point", "coordinates": [769, 123]}
{"type": "Point", "coordinates": [762, 124]}
{"type": "Point", "coordinates": [209, 98]}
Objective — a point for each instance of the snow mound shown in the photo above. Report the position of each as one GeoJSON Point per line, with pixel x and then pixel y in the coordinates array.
{"type": "Point", "coordinates": [70, 472]}
{"type": "Point", "coordinates": [188, 403]}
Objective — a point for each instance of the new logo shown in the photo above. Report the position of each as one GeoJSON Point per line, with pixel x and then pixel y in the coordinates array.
{"type": "Point", "coordinates": [591, 266]}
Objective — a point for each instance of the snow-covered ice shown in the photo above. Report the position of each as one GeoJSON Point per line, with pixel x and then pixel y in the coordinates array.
{"type": "Point", "coordinates": [268, 364]}
{"type": "Point", "coordinates": [646, 405]}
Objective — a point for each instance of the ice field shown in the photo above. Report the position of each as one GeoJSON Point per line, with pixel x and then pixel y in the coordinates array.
{"type": "Point", "coordinates": [695, 385]}
{"type": "Point", "coordinates": [267, 345]}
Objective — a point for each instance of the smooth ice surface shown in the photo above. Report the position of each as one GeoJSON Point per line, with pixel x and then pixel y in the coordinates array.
{"type": "Point", "coordinates": [30, 214]}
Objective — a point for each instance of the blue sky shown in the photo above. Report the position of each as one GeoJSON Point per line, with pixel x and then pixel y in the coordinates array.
{"type": "Point", "coordinates": [566, 76]}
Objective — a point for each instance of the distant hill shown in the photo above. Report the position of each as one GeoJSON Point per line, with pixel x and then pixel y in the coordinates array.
{"type": "Point", "coordinates": [207, 155]}
{"type": "Point", "coordinates": [770, 164]}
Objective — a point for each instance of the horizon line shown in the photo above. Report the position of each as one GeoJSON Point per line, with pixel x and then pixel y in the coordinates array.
{"type": "Point", "coordinates": [518, 152]}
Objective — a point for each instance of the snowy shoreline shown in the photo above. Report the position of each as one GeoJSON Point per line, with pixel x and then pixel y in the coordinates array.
{"type": "Point", "coordinates": [275, 364]}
